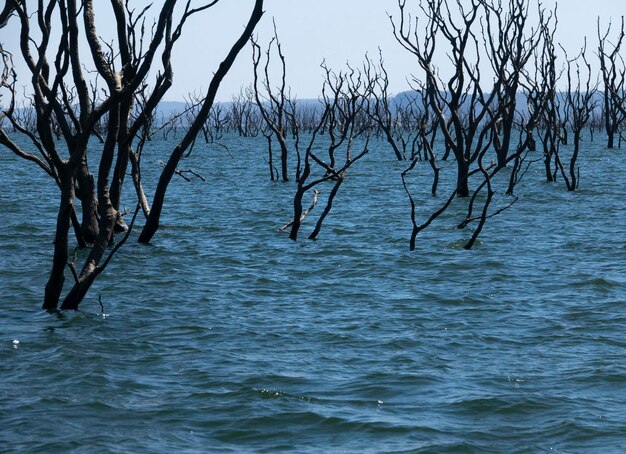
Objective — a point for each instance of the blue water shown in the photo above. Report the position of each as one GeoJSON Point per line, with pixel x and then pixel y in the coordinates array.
{"type": "Point", "coordinates": [225, 336]}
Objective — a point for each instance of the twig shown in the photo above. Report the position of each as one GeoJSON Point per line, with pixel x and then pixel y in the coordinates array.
{"type": "Point", "coordinates": [181, 173]}
{"type": "Point", "coordinates": [72, 266]}
{"type": "Point", "coordinates": [495, 213]}
{"type": "Point", "coordinates": [305, 214]}
{"type": "Point", "coordinates": [101, 268]}
{"type": "Point", "coordinates": [225, 148]}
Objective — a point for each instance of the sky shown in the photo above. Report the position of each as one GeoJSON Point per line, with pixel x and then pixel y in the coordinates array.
{"type": "Point", "coordinates": [338, 31]}
{"type": "Point", "coordinates": [344, 30]}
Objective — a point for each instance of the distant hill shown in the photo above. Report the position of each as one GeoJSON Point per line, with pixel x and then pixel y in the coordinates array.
{"type": "Point", "coordinates": [411, 96]}
{"type": "Point", "coordinates": [406, 97]}
{"type": "Point", "coordinates": [170, 108]}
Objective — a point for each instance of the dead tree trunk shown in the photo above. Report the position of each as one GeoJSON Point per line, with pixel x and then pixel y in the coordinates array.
{"type": "Point", "coordinates": [613, 73]}
{"type": "Point", "coordinates": [152, 223]}
{"type": "Point", "coordinates": [272, 106]}
{"type": "Point", "coordinates": [346, 98]}
{"type": "Point", "coordinates": [579, 104]}
{"type": "Point", "coordinates": [65, 107]}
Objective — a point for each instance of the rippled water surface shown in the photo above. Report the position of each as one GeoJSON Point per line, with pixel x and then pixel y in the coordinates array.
{"type": "Point", "coordinates": [223, 335]}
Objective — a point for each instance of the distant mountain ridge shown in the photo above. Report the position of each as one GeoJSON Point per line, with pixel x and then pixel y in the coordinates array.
{"type": "Point", "coordinates": [170, 108]}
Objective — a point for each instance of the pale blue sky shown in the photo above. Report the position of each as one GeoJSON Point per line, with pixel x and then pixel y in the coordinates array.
{"type": "Point", "coordinates": [338, 30]}
{"type": "Point", "coordinates": [342, 30]}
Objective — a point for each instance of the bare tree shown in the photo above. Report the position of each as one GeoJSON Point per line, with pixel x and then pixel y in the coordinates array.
{"type": "Point", "coordinates": [273, 103]}
{"type": "Point", "coordinates": [243, 115]}
{"type": "Point", "coordinates": [546, 80]}
{"type": "Point", "coordinates": [613, 73]}
{"type": "Point", "coordinates": [509, 47]}
{"type": "Point", "coordinates": [381, 111]}
{"type": "Point", "coordinates": [152, 222]}
{"type": "Point", "coordinates": [460, 105]}
{"type": "Point", "coordinates": [579, 103]}
{"type": "Point", "coordinates": [346, 97]}
{"type": "Point", "coordinates": [475, 123]}
{"type": "Point", "coordinates": [409, 123]}
{"type": "Point", "coordinates": [68, 106]}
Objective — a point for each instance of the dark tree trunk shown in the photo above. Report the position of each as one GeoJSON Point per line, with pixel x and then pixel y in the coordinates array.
{"type": "Point", "coordinates": [327, 209]}
{"type": "Point", "coordinates": [90, 270]}
{"type": "Point", "coordinates": [121, 166]}
{"type": "Point", "coordinates": [610, 139]}
{"type": "Point", "coordinates": [152, 222]}
{"type": "Point", "coordinates": [297, 214]}
{"type": "Point", "coordinates": [297, 200]}
{"type": "Point", "coordinates": [270, 156]}
{"type": "Point", "coordinates": [547, 162]}
{"type": "Point", "coordinates": [283, 158]}
{"type": "Point", "coordinates": [89, 204]}
{"type": "Point", "coordinates": [54, 286]}
{"type": "Point", "coordinates": [462, 181]}
{"type": "Point", "coordinates": [393, 144]}
{"type": "Point", "coordinates": [502, 151]}
{"type": "Point", "coordinates": [572, 162]}
{"type": "Point", "coordinates": [108, 217]}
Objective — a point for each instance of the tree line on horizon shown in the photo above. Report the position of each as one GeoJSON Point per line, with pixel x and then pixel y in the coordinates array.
{"type": "Point", "coordinates": [492, 134]}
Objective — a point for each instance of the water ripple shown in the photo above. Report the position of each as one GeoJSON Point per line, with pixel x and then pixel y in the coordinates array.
{"type": "Point", "coordinates": [225, 336]}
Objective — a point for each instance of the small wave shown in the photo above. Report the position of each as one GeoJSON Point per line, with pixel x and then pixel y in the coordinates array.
{"type": "Point", "coordinates": [598, 282]}
{"type": "Point", "coordinates": [500, 405]}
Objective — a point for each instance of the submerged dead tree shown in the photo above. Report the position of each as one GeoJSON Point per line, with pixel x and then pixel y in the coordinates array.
{"type": "Point", "coordinates": [273, 103]}
{"type": "Point", "coordinates": [483, 129]}
{"type": "Point", "coordinates": [152, 222]}
{"type": "Point", "coordinates": [509, 46]}
{"type": "Point", "coordinates": [462, 109]}
{"type": "Point", "coordinates": [346, 98]}
{"type": "Point", "coordinates": [579, 103]}
{"type": "Point", "coordinates": [545, 86]}
{"type": "Point", "coordinates": [381, 111]}
{"type": "Point", "coordinates": [460, 104]}
{"type": "Point", "coordinates": [73, 94]}
{"type": "Point", "coordinates": [613, 72]}
{"type": "Point", "coordinates": [243, 114]}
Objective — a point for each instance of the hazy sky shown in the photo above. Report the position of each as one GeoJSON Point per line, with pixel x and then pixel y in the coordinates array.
{"type": "Point", "coordinates": [340, 31]}
{"type": "Point", "coordinates": [337, 30]}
